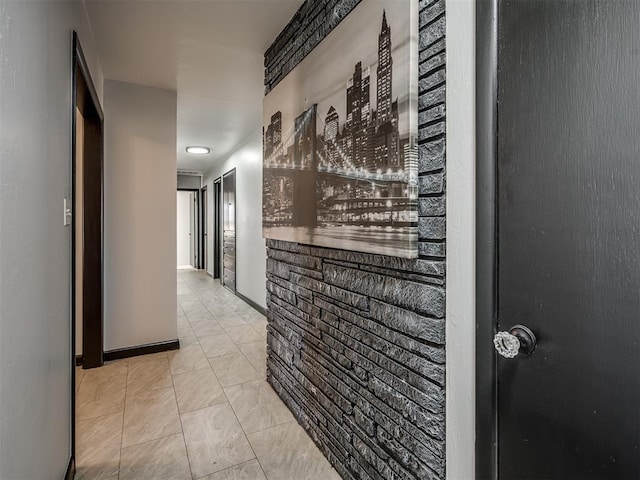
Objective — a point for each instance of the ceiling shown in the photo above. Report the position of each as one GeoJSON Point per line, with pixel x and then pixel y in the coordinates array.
{"type": "Point", "coordinates": [209, 51]}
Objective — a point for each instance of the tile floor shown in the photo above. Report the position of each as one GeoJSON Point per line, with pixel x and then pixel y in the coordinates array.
{"type": "Point", "coordinates": [202, 412]}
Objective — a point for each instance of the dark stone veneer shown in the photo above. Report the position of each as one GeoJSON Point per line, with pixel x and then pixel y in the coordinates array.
{"type": "Point", "coordinates": [356, 341]}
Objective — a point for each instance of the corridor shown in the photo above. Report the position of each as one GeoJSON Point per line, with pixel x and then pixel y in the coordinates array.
{"type": "Point", "coordinates": [202, 412]}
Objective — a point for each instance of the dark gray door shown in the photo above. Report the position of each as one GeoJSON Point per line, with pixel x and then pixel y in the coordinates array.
{"type": "Point", "coordinates": [217, 206]}
{"type": "Point", "coordinates": [229, 230]}
{"type": "Point", "coordinates": [569, 237]}
{"type": "Point", "coordinates": [192, 230]}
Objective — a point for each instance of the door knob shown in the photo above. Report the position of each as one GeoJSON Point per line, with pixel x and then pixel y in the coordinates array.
{"type": "Point", "coordinates": [519, 339]}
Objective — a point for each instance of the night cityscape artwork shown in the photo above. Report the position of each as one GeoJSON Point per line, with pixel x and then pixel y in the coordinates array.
{"type": "Point", "coordinates": [340, 161]}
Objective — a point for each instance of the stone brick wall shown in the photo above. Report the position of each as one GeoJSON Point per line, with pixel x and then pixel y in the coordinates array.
{"type": "Point", "coordinates": [356, 341]}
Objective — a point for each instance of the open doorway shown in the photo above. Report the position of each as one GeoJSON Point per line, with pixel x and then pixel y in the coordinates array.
{"type": "Point", "coordinates": [86, 212]}
{"type": "Point", "coordinates": [184, 229]}
{"type": "Point", "coordinates": [217, 226]}
{"type": "Point", "coordinates": [191, 228]}
{"type": "Point", "coordinates": [229, 230]}
{"type": "Point", "coordinates": [87, 215]}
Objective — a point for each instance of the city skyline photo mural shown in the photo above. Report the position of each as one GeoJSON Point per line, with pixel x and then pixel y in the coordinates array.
{"type": "Point", "coordinates": [340, 160]}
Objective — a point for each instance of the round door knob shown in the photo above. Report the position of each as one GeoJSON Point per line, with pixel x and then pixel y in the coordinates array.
{"type": "Point", "coordinates": [519, 339]}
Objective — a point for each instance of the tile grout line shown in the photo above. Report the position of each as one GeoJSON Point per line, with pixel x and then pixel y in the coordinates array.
{"type": "Point", "coordinates": [229, 468]}
{"type": "Point", "coordinates": [293, 419]}
{"type": "Point", "coordinates": [150, 441]}
{"type": "Point", "coordinates": [179, 412]}
{"type": "Point", "coordinates": [246, 437]}
{"type": "Point", "coordinates": [247, 359]}
{"type": "Point", "coordinates": [124, 411]}
{"type": "Point", "coordinates": [184, 440]}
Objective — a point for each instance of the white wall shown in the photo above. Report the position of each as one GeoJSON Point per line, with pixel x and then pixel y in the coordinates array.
{"type": "Point", "coordinates": [140, 215]}
{"type": "Point", "coordinates": [183, 223]}
{"type": "Point", "coordinates": [461, 326]}
{"type": "Point", "coordinates": [35, 246]}
{"type": "Point", "coordinates": [251, 255]}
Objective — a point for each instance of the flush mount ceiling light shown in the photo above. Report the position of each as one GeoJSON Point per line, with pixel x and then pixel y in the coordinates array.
{"type": "Point", "coordinates": [198, 150]}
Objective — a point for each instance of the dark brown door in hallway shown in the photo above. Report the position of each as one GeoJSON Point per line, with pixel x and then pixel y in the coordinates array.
{"type": "Point", "coordinates": [568, 248]}
{"type": "Point", "coordinates": [204, 206]}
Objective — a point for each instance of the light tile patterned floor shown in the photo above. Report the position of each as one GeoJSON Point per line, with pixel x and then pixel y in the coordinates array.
{"type": "Point", "coordinates": [202, 412]}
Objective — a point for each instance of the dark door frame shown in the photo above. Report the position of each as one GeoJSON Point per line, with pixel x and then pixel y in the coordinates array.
{"type": "Point", "coordinates": [85, 99]}
{"type": "Point", "coordinates": [217, 226]}
{"type": "Point", "coordinates": [203, 227]}
{"type": "Point", "coordinates": [486, 238]}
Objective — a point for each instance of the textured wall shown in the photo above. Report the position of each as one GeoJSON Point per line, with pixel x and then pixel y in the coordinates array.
{"type": "Point", "coordinates": [356, 341]}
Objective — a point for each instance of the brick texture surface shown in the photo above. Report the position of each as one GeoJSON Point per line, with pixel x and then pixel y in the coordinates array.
{"type": "Point", "coordinates": [356, 341]}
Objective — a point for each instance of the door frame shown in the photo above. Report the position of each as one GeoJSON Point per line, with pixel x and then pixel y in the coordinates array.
{"type": "Point", "coordinates": [235, 225]}
{"type": "Point", "coordinates": [204, 232]}
{"type": "Point", "coordinates": [198, 234]}
{"type": "Point", "coordinates": [217, 226]}
{"type": "Point", "coordinates": [85, 99]}
{"type": "Point", "coordinates": [486, 447]}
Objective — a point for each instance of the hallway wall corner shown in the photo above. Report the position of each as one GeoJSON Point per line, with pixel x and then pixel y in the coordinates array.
{"type": "Point", "coordinates": [140, 215]}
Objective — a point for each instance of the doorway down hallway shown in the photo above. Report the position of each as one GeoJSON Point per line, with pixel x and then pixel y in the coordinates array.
{"type": "Point", "coordinates": [202, 412]}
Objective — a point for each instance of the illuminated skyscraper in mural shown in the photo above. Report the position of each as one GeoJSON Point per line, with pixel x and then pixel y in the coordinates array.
{"type": "Point", "coordinates": [331, 131]}
{"type": "Point", "coordinates": [273, 135]}
{"type": "Point", "coordinates": [358, 109]}
{"type": "Point", "coordinates": [385, 68]}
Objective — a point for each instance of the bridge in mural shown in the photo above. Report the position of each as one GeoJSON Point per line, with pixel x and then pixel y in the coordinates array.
{"type": "Point", "coordinates": [315, 182]}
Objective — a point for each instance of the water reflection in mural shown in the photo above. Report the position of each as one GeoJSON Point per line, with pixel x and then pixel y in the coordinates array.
{"type": "Point", "coordinates": [340, 146]}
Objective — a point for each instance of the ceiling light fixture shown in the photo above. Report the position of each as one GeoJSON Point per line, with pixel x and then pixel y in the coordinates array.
{"type": "Point", "coordinates": [198, 150]}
